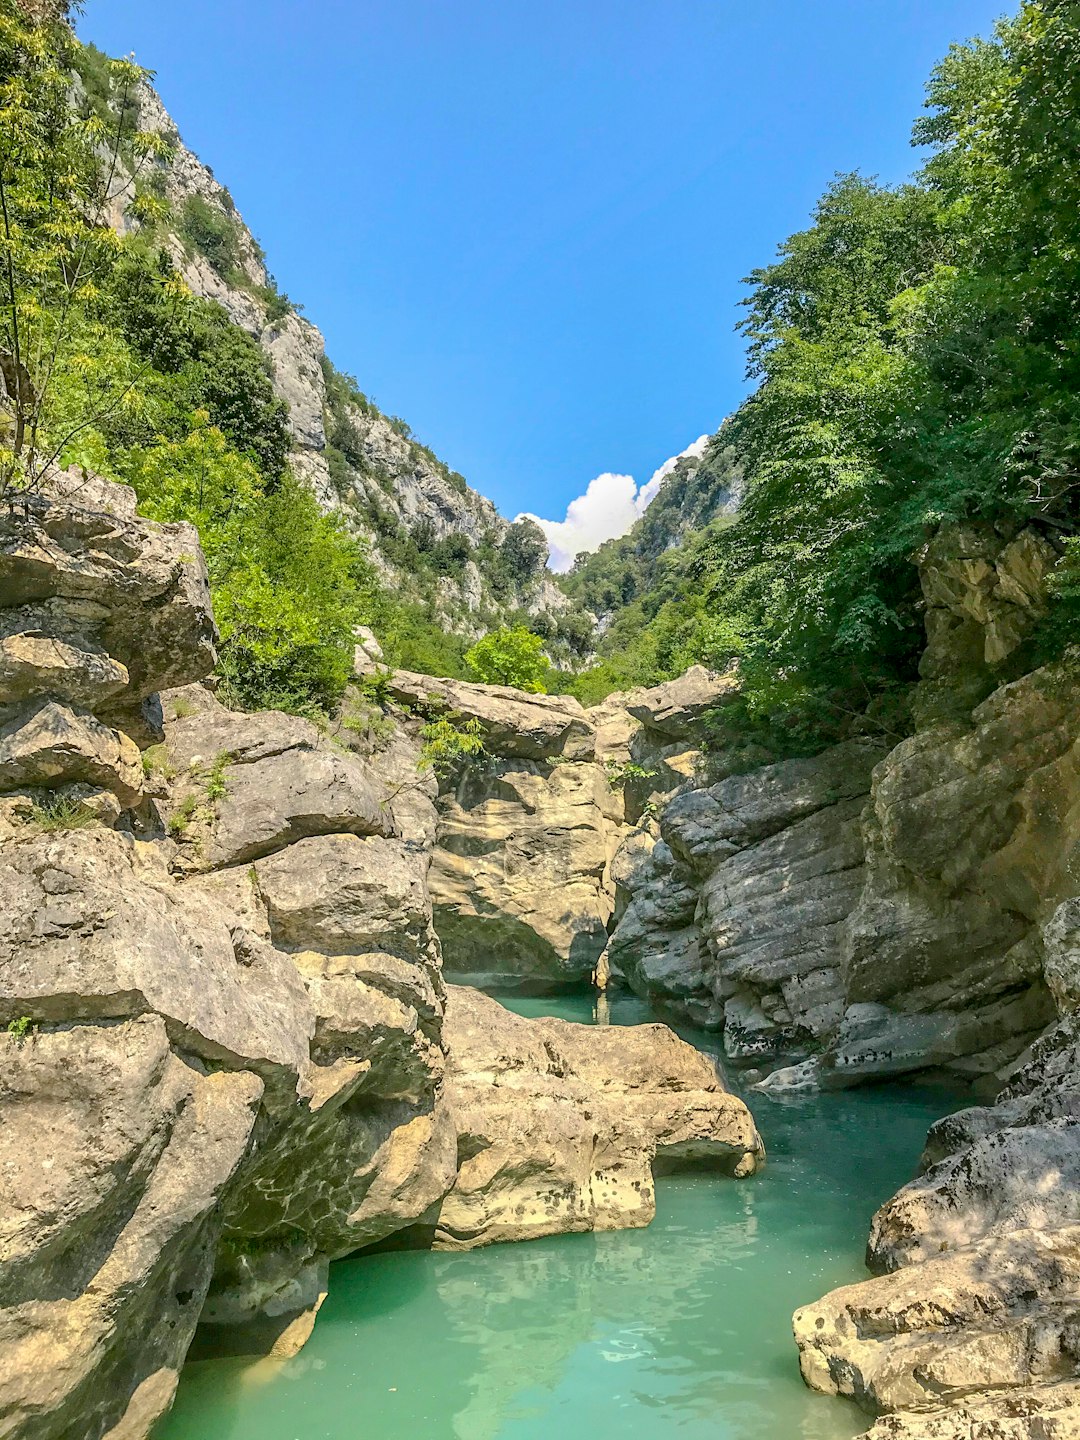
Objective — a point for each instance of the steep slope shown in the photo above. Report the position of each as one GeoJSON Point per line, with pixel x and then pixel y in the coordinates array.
{"type": "Point", "coordinates": [441, 546]}
{"type": "Point", "coordinates": [640, 587]}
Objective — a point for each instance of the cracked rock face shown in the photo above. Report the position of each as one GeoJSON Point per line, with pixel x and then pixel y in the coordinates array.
{"type": "Point", "coordinates": [737, 918]}
{"type": "Point", "coordinates": [977, 1306]}
{"type": "Point", "coordinates": [520, 878]}
{"type": "Point", "coordinates": [221, 999]}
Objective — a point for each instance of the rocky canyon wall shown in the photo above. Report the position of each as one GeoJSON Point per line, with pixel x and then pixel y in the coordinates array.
{"type": "Point", "coordinates": [229, 1055]}
{"type": "Point", "coordinates": [882, 909]}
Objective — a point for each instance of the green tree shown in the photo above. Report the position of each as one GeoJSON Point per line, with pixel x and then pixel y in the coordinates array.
{"type": "Point", "coordinates": [510, 656]}
{"type": "Point", "coordinates": [62, 174]}
{"type": "Point", "coordinates": [524, 550]}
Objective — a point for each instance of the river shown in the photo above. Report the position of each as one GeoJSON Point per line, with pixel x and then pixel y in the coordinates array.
{"type": "Point", "coordinates": [681, 1331]}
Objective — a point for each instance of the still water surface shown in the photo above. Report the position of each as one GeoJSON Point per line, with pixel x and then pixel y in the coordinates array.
{"type": "Point", "coordinates": [677, 1332]}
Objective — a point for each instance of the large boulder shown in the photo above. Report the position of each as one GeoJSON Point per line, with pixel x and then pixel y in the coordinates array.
{"type": "Point", "coordinates": [560, 1125]}
{"type": "Point", "coordinates": [115, 1155]}
{"type": "Point", "coordinates": [281, 780]}
{"type": "Point", "coordinates": [95, 930]}
{"type": "Point", "coordinates": [50, 745]}
{"type": "Point", "coordinates": [529, 727]}
{"type": "Point", "coordinates": [981, 1254]}
{"type": "Point", "coordinates": [675, 708]}
{"type": "Point", "coordinates": [972, 838]}
{"type": "Point", "coordinates": [79, 566]}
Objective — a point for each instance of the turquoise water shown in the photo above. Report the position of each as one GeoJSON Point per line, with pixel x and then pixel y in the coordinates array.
{"type": "Point", "coordinates": [677, 1332]}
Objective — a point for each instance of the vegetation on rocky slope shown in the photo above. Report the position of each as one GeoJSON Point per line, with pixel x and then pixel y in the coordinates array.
{"type": "Point", "coordinates": [111, 363]}
{"type": "Point", "coordinates": [917, 352]}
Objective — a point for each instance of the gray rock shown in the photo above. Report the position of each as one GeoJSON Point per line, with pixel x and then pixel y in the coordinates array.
{"type": "Point", "coordinates": [95, 930]}
{"type": "Point", "coordinates": [675, 707]}
{"type": "Point", "coordinates": [1061, 962]}
{"type": "Point", "coordinates": [51, 744]}
{"type": "Point", "coordinates": [42, 664]}
{"type": "Point", "coordinates": [348, 895]}
{"type": "Point", "coordinates": [274, 802]}
{"type": "Point", "coordinates": [107, 1256]}
{"type": "Point", "coordinates": [529, 727]}
{"type": "Point", "coordinates": [140, 588]}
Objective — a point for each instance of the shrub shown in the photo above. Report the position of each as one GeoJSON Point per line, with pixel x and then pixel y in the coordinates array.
{"type": "Point", "coordinates": [450, 743]}
{"type": "Point", "coordinates": [510, 656]}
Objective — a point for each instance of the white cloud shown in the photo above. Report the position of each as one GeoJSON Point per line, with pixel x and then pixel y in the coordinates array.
{"type": "Point", "coordinates": [608, 508]}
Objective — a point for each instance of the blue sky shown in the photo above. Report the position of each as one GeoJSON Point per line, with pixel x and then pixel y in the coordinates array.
{"type": "Point", "coordinates": [522, 223]}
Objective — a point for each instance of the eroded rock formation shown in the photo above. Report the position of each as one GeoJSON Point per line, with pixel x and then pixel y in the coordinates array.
{"type": "Point", "coordinates": [560, 1125]}
{"type": "Point", "coordinates": [881, 908]}
{"type": "Point", "coordinates": [225, 1052]}
{"type": "Point", "coordinates": [520, 877]}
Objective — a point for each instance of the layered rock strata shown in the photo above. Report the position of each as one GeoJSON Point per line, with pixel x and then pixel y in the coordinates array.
{"type": "Point", "coordinates": [965, 941]}
{"type": "Point", "coordinates": [222, 1009]}
{"type": "Point", "coordinates": [520, 876]}
{"type": "Point", "coordinates": [973, 1319]}
{"type": "Point", "coordinates": [881, 909]}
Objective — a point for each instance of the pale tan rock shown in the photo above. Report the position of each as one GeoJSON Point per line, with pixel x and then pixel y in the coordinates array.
{"type": "Point", "coordinates": [96, 1312]}
{"type": "Point", "coordinates": [531, 727]}
{"type": "Point", "coordinates": [347, 894]}
{"type": "Point", "coordinates": [676, 707]}
{"type": "Point", "coordinates": [560, 1124]}
{"type": "Point", "coordinates": [1036, 1412]}
{"type": "Point", "coordinates": [519, 878]}
{"type": "Point", "coordinates": [138, 589]}
{"type": "Point", "coordinates": [45, 665]}
{"type": "Point", "coordinates": [51, 744]}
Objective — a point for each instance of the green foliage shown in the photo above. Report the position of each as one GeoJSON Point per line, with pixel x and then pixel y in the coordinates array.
{"type": "Point", "coordinates": [412, 640]}
{"type": "Point", "coordinates": [60, 182]}
{"type": "Point", "coordinates": [524, 551]}
{"type": "Point", "coordinates": [450, 743]}
{"type": "Point", "coordinates": [216, 785]}
{"type": "Point", "coordinates": [118, 367]}
{"type": "Point", "coordinates": [213, 234]}
{"type": "Point", "coordinates": [59, 811]}
{"type": "Point", "coordinates": [20, 1028]}
{"type": "Point", "coordinates": [182, 816]}
{"type": "Point", "coordinates": [618, 774]}
{"type": "Point", "coordinates": [917, 358]}
{"type": "Point", "coordinates": [511, 655]}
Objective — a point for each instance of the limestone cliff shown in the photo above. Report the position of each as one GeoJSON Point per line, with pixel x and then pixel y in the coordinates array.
{"type": "Point", "coordinates": [229, 1056]}
{"type": "Point", "coordinates": [882, 908]}
{"type": "Point", "coordinates": [390, 489]}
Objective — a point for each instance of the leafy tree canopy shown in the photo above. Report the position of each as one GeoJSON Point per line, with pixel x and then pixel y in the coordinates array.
{"type": "Point", "coordinates": [510, 656]}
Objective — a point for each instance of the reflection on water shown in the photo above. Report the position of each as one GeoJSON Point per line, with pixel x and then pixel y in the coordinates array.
{"type": "Point", "coordinates": [682, 1329]}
